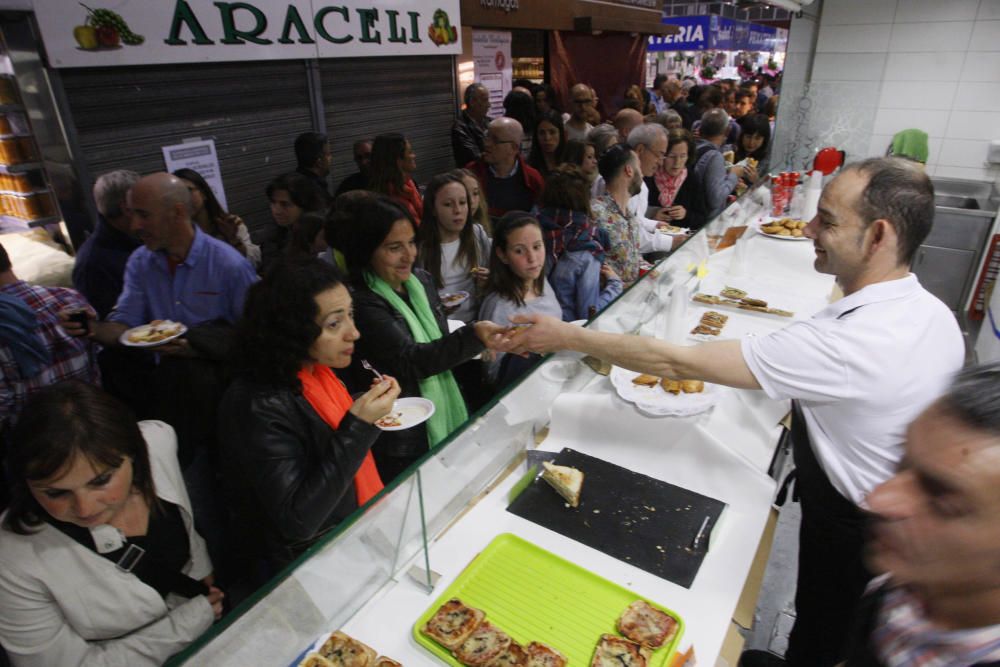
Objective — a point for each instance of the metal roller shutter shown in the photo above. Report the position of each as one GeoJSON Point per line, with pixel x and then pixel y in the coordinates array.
{"type": "Point", "coordinates": [414, 96]}
{"type": "Point", "coordinates": [253, 110]}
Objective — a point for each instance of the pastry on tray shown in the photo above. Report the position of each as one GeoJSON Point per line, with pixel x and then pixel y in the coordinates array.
{"type": "Point", "coordinates": [387, 662]}
{"type": "Point", "coordinates": [514, 656]}
{"type": "Point", "coordinates": [647, 625]}
{"type": "Point", "coordinates": [315, 660]}
{"type": "Point", "coordinates": [486, 643]}
{"type": "Point", "coordinates": [614, 651]}
{"type": "Point", "coordinates": [645, 380]}
{"type": "Point", "coordinates": [344, 651]}
{"type": "Point", "coordinates": [540, 655]}
{"type": "Point", "coordinates": [567, 481]}
{"type": "Point", "coordinates": [453, 623]}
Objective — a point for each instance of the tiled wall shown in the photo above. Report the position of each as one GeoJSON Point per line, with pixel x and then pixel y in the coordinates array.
{"type": "Point", "coordinates": [929, 64]}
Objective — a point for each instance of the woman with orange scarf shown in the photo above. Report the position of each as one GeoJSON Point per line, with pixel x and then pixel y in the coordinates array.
{"type": "Point", "coordinates": [296, 447]}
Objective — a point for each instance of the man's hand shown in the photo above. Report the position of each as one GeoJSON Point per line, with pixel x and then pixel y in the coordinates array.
{"type": "Point", "coordinates": [72, 326]}
{"type": "Point", "coordinates": [490, 333]}
{"type": "Point", "coordinates": [545, 334]}
{"type": "Point", "coordinates": [750, 174]}
{"type": "Point", "coordinates": [178, 347]}
{"type": "Point", "coordinates": [215, 597]}
{"type": "Point", "coordinates": [608, 273]}
{"type": "Point", "coordinates": [737, 170]}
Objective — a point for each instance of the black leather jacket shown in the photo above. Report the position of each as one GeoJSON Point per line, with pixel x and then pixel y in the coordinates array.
{"type": "Point", "coordinates": [387, 343]}
{"type": "Point", "coordinates": [289, 476]}
{"type": "Point", "coordinates": [467, 139]}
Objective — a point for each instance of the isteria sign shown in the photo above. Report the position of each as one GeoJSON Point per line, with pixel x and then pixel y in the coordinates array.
{"type": "Point", "coordinates": [142, 32]}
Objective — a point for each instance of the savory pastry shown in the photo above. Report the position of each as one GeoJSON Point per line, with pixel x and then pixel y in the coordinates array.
{"type": "Point", "coordinates": [796, 232]}
{"type": "Point", "coordinates": [771, 229]}
{"type": "Point", "coordinates": [747, 306]}
{"type": "Point", "coordinates": [315, 660]}
{"type": "Point", "coordinates": [778, 311]}
{"type": "Point", "coordinates": [391, 420]}
{"type": "Point", "coordinates": [754, 302]}
{"type": "Point", "coordinates": [732, 293]}
{"type": "Point", "coordinates": [706, 330]}
{"type": "Point", "coordinates": [647, 625]}
{"type": "Point", "coordinates": [614, 651]}
{"type": "Point", "coordinates": [485, 644]}
{"type": "Point", "coordinates": [516, 330]}
{"type": "Point", "coordinates": [714, 319]}
{"type": "Point", "coordinates": [671, 386]}
{"type": "Point", "coordinates": [154, 332]}
{"type": "Point", "coordinates": [344, 651]}
{"type": "Point", "coordinates": [386, 662]}
{"type": "Point", "coordinates": [540, 655]}
{"type": "Point", "coordinates": [645, 380]}
{"type": "Point", "coordinates": [692, 386]}
{"type": "Point", "coordinates": [452, 623]}
{"type": "Point", "coordinates": [567, 481]}
{"type": "Point", "coordinates": [514, 656]}
{"type": "Point", "coordinates": [706, 298]}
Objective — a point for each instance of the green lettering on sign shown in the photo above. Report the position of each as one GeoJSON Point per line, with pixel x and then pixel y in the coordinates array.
{"type": "Point", "coordinates": [414, 31]}
{"type": "Point", "coordinates": [234, 36]}
{"type": "Point", "coordinates": [394, 33]}
{"type": "Point", "coordinates": [321, 29]}
{"type": "Point", "coordinates": [368, 18]}
{"type": "Point", "coordinates": [294, 20]}
{"type": "Point", "coordinates": [184, 16]}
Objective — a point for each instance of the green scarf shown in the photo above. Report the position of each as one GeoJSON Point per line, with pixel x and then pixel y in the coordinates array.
{"type": "Point", "coordinates": [440, 389]}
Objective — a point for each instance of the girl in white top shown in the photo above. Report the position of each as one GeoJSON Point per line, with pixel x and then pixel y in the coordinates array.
{"type": "Point", "coordinates": [453, 250]}
{"type": "Point", "coordinates": [517, 280]}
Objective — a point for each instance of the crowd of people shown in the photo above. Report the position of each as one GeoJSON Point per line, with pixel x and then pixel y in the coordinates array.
{"type": "Point", "coordinates": [190, 473]}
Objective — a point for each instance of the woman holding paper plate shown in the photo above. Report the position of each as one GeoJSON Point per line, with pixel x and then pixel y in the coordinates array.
{"type": "Point", "coordinates": [404, 331]}
{"type": "Point", "coordinates": [296, 448]}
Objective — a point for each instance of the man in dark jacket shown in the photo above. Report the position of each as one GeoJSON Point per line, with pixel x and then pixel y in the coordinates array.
{"type": "Point", "coordinates": [510, 183]}
{"type": "Point", "coordinates": [313, 155]}
{"type": "Point", "coordinates": [468, 132]}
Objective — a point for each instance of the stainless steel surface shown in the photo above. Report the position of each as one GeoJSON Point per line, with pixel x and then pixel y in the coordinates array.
{"type": "Point", "coordinates": [957, 201]}
{"type": "Point", "coordinates": [955, 228]}
{"type": "Point", "coordinates": [946, 273]}
{"type": "Point", "coordinates": [964, 188]}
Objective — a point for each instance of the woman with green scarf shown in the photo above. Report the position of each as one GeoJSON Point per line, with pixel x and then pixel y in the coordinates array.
{"type": "Point", "coordinates": [404, 332]}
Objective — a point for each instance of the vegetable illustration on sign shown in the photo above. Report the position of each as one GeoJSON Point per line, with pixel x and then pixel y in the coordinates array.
{"type": "Point", "coordinates": [440, 30]}
{"type": "Point", "coordinates": [104, 29]}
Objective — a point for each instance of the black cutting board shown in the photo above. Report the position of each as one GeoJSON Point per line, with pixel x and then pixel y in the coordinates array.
{"type": "Point", "coordinates": [632, 517]}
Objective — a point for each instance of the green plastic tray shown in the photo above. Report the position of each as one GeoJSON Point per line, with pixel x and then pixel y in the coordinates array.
{"type": "Point", "coordinates": [534, 595]}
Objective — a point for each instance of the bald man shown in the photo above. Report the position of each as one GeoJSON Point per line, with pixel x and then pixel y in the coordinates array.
{"type": "Point", "coordinates": [626, 120]}
{"type": "Point", "coordinates": [583, 104]}
{"type": "Point", "coordinates": [180, 273]}
{"type": "Point", "coordinates": [510, 183]}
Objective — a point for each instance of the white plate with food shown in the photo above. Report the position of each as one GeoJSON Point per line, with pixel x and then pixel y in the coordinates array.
{"type": "Point", "coordinates": [454, 299]}
{"type": "Point", "coordinates": [664, 398]}
{"type": "Point", "coordinates": [785, 229]}
{"type": "Point", "coordinates": [157, 332]}
{"type": "Point", "coordinates": [406, 413]}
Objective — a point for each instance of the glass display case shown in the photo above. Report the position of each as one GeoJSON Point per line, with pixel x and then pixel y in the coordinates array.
{"type": "Point", "coordinates": [391, 539]}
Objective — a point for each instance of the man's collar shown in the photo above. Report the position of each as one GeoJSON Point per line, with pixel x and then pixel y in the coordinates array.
{"type": "Point", "coordinates": [513, 171]}
{"type": "Point", "coordinates": [886, 290]}
{"type": "Point", "coordinates": [197, 249]}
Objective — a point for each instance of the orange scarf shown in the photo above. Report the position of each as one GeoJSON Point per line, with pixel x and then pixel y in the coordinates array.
{"type": "Point", "coordinates": [329, 398]}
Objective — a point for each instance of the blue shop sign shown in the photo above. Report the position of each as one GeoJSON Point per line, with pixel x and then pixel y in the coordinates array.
{"type": "Point", "coordinates": [693, 35]}
{"type": "Point", "coordinates": [699, 33]}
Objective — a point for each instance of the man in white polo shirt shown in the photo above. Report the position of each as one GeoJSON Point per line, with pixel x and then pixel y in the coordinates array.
{"type": "Point", "coordinates": [859, 372]}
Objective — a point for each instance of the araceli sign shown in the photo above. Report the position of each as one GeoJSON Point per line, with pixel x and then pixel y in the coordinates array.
{"type": "Point", "coordinates": [143, 32]}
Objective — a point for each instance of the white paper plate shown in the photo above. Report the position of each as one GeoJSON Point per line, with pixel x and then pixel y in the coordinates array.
{"type": "Point", "coordinates": [145, 328]}
{"type": "Point", "coordinates": [776, 236]}
{"type": "Point", "coordinates": [656, 402]}
{"type": "Point", "coordinates": [410, 411]}
{"type": "Point", "coordinates": [454, 299]}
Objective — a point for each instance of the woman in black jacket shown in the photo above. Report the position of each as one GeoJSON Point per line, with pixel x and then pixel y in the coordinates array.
{"type": "Point", "coordinates": [295, 446]}
{"type": "Point", "coordinates": [404, 331]}
{"type": "Point", "coordinates": [674, 187]}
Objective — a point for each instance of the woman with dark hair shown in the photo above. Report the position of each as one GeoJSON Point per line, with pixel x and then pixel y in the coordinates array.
{"type": "Point", "coordinates": [674, 187]}
{"type": "Point", "coordinates": [548, 142]}
{"type": "Point", "coordinates": [405, 332]}
{"type": "Point", "coordinates": [452, 248]}
{"type": "Point", "coordinates": [296, 446]}
{"type": "Point", "coordinates": [582, 154]}
{"type": "Point", "coordinates": [575, 246]}
{"type": "Point", "coordinates": [519, 106]}
{"type": "Point", "coordinates": [291, 195]}
{"type": "Point", "coordinates": [307, 240]}
{"type": "Point", "coordinates": [545, 99]}
{"type": "Point", "coordinates": [100, 563]}
{"type": "Point", "coordinates": [755, 141]}
{"type": "Point", "coordinates": [517, 286]}
{"type": "Point", "coordinates": [208, 213]}
{"type": "Point", "coordinates": [340, 222]}
{"type": "Point", "coordinates": [393, 165]}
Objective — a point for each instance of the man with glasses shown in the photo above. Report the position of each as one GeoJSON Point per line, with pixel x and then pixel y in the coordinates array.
{"type": "Point", "coordinates": [510, 183]}
{"type": "Point", "coordinates": [577, 126]}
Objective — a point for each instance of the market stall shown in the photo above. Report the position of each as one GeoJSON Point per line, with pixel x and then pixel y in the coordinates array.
{"type": "Point", "coordinates": [381, 575]}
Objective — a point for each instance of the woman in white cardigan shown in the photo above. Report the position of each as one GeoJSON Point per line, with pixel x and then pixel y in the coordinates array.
{"type": "Point", "coordinates": [90, 491]}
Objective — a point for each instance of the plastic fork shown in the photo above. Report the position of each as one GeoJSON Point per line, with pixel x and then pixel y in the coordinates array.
{"type": "Point", "coordinates": [368, 367]}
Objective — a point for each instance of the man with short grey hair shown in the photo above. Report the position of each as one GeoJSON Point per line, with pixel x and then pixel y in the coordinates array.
{"type": "Point", "coordinates": [99, 270]}
{"type": "Point", "coordinates": [717, 180]}
{"type": "Point", "coordinates": [468, 132]}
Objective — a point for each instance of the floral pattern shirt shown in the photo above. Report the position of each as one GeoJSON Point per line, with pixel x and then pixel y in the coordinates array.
{"type": "Point", "coordinates": [623, 231]}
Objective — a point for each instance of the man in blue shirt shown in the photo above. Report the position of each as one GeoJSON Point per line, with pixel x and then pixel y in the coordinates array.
{"type": "Point", "coordinates": [181, 273]}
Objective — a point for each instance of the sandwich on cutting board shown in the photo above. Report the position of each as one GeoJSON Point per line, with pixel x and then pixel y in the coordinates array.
{"type": "Point", "coordinates": [567, 481]}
